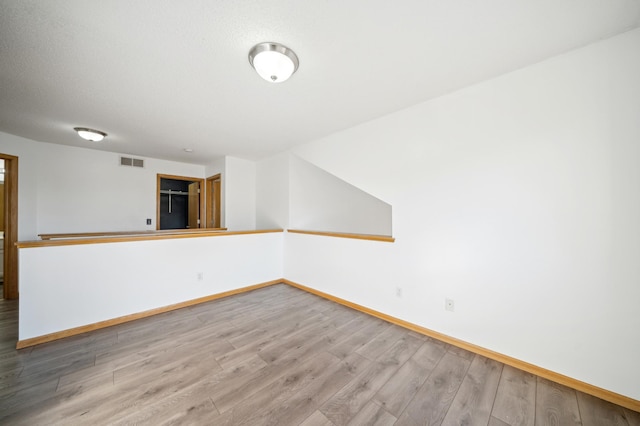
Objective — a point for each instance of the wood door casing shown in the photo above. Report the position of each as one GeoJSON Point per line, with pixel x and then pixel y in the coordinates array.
{"type": "Point", "coordinates": [213, 208]}
{"type": "Point", "coordinates": [194, 205]}
{"type": "Point", "coordinates": [10, 287]}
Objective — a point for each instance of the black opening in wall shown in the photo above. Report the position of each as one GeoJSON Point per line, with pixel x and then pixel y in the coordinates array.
{"type": "Point", "coordinates": [179, 202]}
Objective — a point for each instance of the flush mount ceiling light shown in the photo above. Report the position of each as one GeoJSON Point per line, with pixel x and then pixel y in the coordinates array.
{"type": "Point", "coordinates": [90, 134]}
{"type": "Point", "coordinates": [273, 61]}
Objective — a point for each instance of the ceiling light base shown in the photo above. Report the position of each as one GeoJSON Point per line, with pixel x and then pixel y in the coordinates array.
{"type": "Point", "coordinates": [273, 62]}
{"type": "Point", "coordinates": [90, 134]}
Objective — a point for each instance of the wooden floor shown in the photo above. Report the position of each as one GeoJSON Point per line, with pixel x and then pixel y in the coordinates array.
{"type": "Point", "coordinates": [274, 356]}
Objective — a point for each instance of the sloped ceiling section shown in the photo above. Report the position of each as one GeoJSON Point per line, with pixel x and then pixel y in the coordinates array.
{"type": "Point", "coordinates": [161, 76]}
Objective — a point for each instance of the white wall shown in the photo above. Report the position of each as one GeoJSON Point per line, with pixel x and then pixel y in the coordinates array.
{"type": "Point", "coordinates": [239, 184]}
{"type": "Point", "coordinates": [69, 286]}
{"type": "Point", "coordinates": [272, 192]}
{"type": "Point", "coordinates": [320, 201]}
{"type": "Point", "coordinates": [67, 189]}
{"type": "Point", "coordinates": [218, 167]}
{"type": "Point", "coordinates": [518, 198]}
{"type": "Point", "coordinates": [26, 150]}
{"type": "Point", "coordinates": [293, 193]}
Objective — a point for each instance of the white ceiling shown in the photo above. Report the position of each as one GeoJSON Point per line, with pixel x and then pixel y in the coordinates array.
{"type": "Point", "coordinates": [163, 75]}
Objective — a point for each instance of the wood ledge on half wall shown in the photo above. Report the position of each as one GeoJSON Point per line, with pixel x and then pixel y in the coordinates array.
{"type": "Point", "coordinates": [53, 240]}
{"type": "Point", "coordinates": [123, 233]}
{"type": "Point", "coordinates": [79, 238]}
{"type": "Point", "coordinates": [371, 237]}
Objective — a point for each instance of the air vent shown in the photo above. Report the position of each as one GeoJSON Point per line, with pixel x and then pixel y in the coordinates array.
{"type": "Point", "coordinates": [132, 162]}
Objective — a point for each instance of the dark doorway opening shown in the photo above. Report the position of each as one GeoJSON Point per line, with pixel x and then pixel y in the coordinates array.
{"type": "Point", "coordinates": [180, 202]}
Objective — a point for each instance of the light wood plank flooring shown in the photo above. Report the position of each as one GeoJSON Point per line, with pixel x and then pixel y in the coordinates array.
{"type": "Point", "coordinates": [274, 356]}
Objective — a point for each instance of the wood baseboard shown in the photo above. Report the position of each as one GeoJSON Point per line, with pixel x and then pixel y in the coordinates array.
{"type": "Point", "coordinates": [115, 321]}
{"type": "Point", "coordinates": [578, 385]}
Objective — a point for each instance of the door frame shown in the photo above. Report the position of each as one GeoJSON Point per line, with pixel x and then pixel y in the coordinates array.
{"type": "Point", "coordinates": [10, 286]}
{"type": "Point", "coordinates": [214, 199]}
{"type": "Point", "coordinates": [201, 213]}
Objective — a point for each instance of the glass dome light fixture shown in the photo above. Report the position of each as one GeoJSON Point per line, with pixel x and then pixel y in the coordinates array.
{"type": "Point", "coordinates": [273, 61]}
{"type": "Point", "coordinates": [90, 134]}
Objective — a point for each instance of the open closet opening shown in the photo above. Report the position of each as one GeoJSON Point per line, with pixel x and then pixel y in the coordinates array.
{"type": "Point", "coordinates": [180, 202]}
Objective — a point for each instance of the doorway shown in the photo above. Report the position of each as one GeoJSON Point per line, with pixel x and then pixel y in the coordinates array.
{"type": "Point", "coordinates": [180, 202]}
{"type": "Point", "coordinates": [2, 213]}
{"type": "Point", "coordinates": [9, 225]}
{"type": "Point", "coordinates": [213, 202]}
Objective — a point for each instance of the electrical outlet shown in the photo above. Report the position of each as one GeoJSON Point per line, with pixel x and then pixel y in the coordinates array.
{"type": "Point", "coordinates": [398, 291]}
{"type": "Point", "coordinates": [200, 276]}
{"type": "Point", "coordinates": [449, 304]}
{"type": "Point", "coordinates": [148, 221]}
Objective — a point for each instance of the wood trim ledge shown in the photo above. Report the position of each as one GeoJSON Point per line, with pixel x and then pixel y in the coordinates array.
{"type": "Point", "coordinates": [578, 385]}
{"type": "Point", "coordinates": [384, 238]}
{"type": "Point", "coordinates": [123, 233]}
{"type": "Point", "coordinates": [115, 321]}
{"type": "Point", "coordinates": [139, 237]}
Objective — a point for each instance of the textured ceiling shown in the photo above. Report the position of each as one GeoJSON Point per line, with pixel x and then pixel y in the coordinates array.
{"type": "Point", "coordinates": [163, 75]}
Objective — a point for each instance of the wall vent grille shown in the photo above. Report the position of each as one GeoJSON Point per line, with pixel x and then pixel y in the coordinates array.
{"type": "Point", "coordinates": [131, 162]}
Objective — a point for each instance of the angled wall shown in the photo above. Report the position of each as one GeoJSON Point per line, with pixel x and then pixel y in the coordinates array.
{"type": "Point", "coordinates": [293, 193]}
{"type": "Point", "coordinates": [320, 201]}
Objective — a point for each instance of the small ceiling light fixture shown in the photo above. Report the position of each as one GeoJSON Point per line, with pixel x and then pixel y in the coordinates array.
{"type": "Point", "coordinates": [273, 61]}
{"type": "Point", "coordinates": [90, 134]}
{"type": "Point", "coordinates": [188, 150]}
